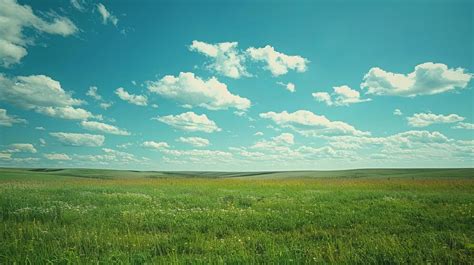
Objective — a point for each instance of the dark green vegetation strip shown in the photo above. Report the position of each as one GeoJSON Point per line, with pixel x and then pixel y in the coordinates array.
{"type": "Point", "coordinates": [370, 216]}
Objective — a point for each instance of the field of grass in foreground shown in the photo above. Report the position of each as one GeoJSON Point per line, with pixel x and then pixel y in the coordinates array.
{"type": "Point", "coordinates": [345, 217]}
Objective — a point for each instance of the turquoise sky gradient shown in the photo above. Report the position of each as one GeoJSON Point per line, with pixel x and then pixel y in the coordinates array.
{"type": "Point", "coordinates": [340, 41]}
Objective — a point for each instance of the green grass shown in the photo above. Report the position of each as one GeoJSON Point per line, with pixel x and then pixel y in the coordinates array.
{"type": "Point", "coordinates": [346, 217]}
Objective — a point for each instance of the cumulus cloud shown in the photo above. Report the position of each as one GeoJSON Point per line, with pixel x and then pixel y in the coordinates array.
{"type": "Point", "coordinates": [464, 125]}
{"type": "Point", "coordinates": [62, 157]}
{"type": "Point", "coordinates": [324, 152]}
{"type": "Point", "coordinates": [323, 97]}
{"type": "Point", "coordinates": [69, 113]}
{"type": "Point", "coordinates": [276, 62]}
{"type": "Point", "coordinates": [288, 86]}
{"type": "Point", "coordinates": [199, 155]}
{"type": "Point", "coordinates": [258, 134]}
{"type": "Point", "coordinates": [41, 94]}
{"type": "Point", "coordinates": [155, 145]}
{"type": "Point", "coordinates": [343, 96]}
{"type": "Point", "coordinates": [284, 139]}
{"type": "Point", "coordinates": [194, 91]}
{"type": "Point", "coordinates": [35, 90]}
{"type": "Point", "coordinates": [427, 79]}
{"type": "Point", "coordinates": [226, 59]}
{"type": "Point", "coordinates": [21, 148]}
{"type": "Point", "coordinates": [9, 120]}
{"type": "Point", "coordinates": [15, 19]}
{"type": "Point", "coordinates": [419, 137]}
{"type": "Point", "coordinates": [426, 119]}
{"type": "Point", "coordinates": [194, 141]}
{"type": "Point", "coordinates": [282, 149]}
{"type": "Point", "coordinates": [79, 139]}
{"type": "Point", "coordinates": [106, 15]}
{"type": "Point", "coordinates": [397, 112]}
{"type": "Point", "coordinates": [138, 100]}
{"type": "Point", "coordinates": [108, 156]}
{"type": "Point", "coordinates": [105, 105]}
{"type": "Point", "coordinates": [403, 140]}
{"type": "Point", "coordinates": [310, 124]}
{"type": "Point", "coordinates": [103, 127]}
{"type": "Point", "coordinates": [93, 92]}
{"type": "Point", "coordinates": [190, 121]}
{"type": "Point", "coordinates": [409, 145]}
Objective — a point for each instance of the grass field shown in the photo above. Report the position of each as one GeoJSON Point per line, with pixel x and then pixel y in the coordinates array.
{"type": "Point", "coordinates": [378, 216]}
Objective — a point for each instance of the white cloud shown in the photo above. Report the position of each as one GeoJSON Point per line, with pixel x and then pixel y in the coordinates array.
{"type": "Point", "coordinates": [346, 96]}
{"type": "Point", "coordinates": [35, 90]}
{"type": "Point", "coordinates": [9, 120]}
{"type": "Point", "coordinates": [252, 155]}
{"type": "Point", "coordinates": [194, 91]}
{"type": "Point", "coordinates": [79, 139]}
{"type": "Point", "coordinates": [426, 119]}
{"type": "Point", "coordinates": [323, 97]}
{"type": "Point", "coordinates": [311, 153]}
{"type": "Point", "coordinates": [69, 113]}
{"type": "Point", "coordinates": [103, 127]}
{"type": "Point", "coordinates": [418, 137]}
{"type": "Point", "coordinates": [155, 145]}
{"type": "Point", "coordinates": [464, 125]}
{"type": "Point", "coordinates": [282, 149]}
{"type": "Point", "coordinates": [397, 112]}
{"type": "Point", "coordinates": [109, 155]}
{"type": "Point", "coordinates": [289, 86]}
{"type": "Point", "coordinates": [63, 157]}
{"type": "Point", "coordinates": [138, 100]}
{"type": "Point", "coordinates": [282, 140]}
{"type": "Point", "coordinates": [93, 93]}
{"type": "Point", "coordinates": [40, 128]}
{"type": "Point", "coordinates": [124, 145]}
{"type": "Point", "coordinates": [409, 146]}
{"type": "Point", "coordinates": [240, 113]}
{"type": "Point", "coordinates": [199, 155]}
{"type": "Point", "coordinates": [105, 105]}
{"type": "Point", "coordinates": [15, 19]}
{"type": "Point", "coordinates": [23, 160]}
{"type": "Point", "coordinates": [119, 156]}
{"type": "Point", "coordinates": [21, 148]}
{"type": "Point", "coordinates": [106, 15]}
{"type": "Point", "coordinates": [277, 63]}
{"type": "Point", "coordinates": [194, 141]}
{"type": "Point", "coordinates": [41, 94]}
{"type": "Point", "coordinates": [190, 121]}
{"type": "Point", "coordinates": [286, 138]}
{"type": "Point", "coordinates": [427, 79]}
{"type": "Point", "coordinates": [42, 142]}
{"type": "Point", "coordinates": [258, 134]}
{"type": "Point", "coordinates": [310, 124]}
{"type": "Point", "coordinates": [343, 96]}
{"type": "Point", "coordinates": [227, 60]}
{"type": "Point", "coordinates": [5, 156]}
{"type": "Point", "coordinates": [398, 146]}
{"type": "Point", "coordinates": [78, 4]}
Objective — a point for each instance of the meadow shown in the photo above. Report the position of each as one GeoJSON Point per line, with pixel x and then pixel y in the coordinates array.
{"type": "Point", "coordinates": [378, 216]}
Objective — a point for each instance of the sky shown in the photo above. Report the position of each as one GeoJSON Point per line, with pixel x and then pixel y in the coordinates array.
{"type": "Point", "coordinates": [236, 85]}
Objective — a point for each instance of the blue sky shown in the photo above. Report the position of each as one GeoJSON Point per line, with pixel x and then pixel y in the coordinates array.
{"type": "Point", "coordinates": [219, 85]}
